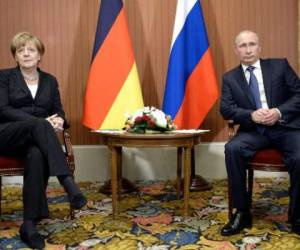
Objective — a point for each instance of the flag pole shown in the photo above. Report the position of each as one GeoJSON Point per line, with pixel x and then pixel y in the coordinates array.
{"type": "Point", "coordinates": [113, 78]}
{"type": "Point", "coordinates": [191, 85]}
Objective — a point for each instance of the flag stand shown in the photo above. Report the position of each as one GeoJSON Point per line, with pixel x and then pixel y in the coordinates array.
{"type": "Point", "coordinates": [126, 187]}
{"type": "Point", "coordinates": [198, 183]}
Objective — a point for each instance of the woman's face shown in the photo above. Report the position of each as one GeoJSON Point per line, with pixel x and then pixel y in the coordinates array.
{"type": "Point", "coordinates": [27, 56]}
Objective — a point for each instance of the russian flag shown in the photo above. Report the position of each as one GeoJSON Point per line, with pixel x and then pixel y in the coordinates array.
{"type": "Point", "coordinates": [191, 87]}
{"type": "Point", "coordinates": [113, 86]}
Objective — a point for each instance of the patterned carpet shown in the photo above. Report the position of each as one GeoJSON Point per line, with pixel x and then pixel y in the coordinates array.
{"type": "Point", "coordinates": [151, 220]}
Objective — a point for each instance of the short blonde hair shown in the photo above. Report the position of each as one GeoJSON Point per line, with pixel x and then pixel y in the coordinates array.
{"type": "Point", "coordinates": [20, 40]}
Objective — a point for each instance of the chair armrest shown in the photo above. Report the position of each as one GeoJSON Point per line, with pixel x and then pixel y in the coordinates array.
{"type": "Point", "coordinates": [231, 128]}
{"type": "Point", "coordinates": [69, 149]}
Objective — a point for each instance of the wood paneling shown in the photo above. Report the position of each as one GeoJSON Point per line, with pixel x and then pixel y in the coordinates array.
{"type": "Point", "coordinates": [67, 28]}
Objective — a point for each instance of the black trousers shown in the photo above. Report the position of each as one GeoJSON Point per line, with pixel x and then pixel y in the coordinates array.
{"type": "Point", "coordinates": [37, 142]}
{"type": "Point", "coordinates": [244, 145]}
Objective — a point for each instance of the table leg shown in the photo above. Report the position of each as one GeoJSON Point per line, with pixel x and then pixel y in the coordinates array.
{"type": "Point", "coordinates": [124, 185]}
{"type": "Point", "coordinates": [187, 176]}
{"type": "Point", "coordinates": [179, 171]}
{"type": "Point", "coordinates": [119, 166]}
{"type": "Point", "coordinates": [114, 178]}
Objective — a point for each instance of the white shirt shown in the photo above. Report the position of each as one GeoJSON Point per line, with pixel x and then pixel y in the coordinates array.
{"type": "Point", "coordinates": [258, 74]}
{"type": "Point", "coordinates": [33, 89]}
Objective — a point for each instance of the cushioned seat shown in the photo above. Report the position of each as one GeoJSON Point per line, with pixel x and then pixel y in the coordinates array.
{"type": "Point", "coordinates": [9, 165]}
{"type": "Point", "coordinates": [270, 156]}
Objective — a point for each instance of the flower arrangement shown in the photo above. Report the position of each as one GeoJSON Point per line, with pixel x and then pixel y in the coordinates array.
{"type": "Point", "coordinates": [149, 119]}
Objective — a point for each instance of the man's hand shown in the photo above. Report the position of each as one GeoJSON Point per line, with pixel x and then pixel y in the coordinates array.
{"type": "Point", "coordinates": [271, 117]}
{"type": "Point", "coordinates": [267, 117]}
{"type": "Point", "coordinates": [258, 115]}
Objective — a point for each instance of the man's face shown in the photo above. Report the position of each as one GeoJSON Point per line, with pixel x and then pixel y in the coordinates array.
{"type": "Point", "coordinates": [247, 47]}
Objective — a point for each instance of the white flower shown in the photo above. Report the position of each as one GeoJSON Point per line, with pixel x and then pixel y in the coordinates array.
{"type": "Point", "coordinates": [159, 118]}
{"type": "Point", "coordinates": [149, 118]}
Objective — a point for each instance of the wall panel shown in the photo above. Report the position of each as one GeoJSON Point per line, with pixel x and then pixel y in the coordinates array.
{"type": "Point", "coordinates": [67, 28]}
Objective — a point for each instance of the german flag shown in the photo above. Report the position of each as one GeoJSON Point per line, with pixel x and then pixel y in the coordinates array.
{"type": "Point", "coordinates": [113, 87]}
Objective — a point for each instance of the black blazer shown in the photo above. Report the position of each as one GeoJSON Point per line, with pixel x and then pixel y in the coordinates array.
{"type": "Point", "coordinates": [17, 103]}
{"type": "Point", "coordinates": [282, 88]}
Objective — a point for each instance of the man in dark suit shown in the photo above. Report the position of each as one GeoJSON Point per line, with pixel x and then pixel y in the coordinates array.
{"type": "Point", "coordinates": [263, 96]}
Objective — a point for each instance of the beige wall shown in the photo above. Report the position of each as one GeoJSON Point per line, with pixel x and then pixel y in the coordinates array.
{"type": "Point", "coordinates": [148, 163]}
{"type": "Point", "coordinates": [67, 27]}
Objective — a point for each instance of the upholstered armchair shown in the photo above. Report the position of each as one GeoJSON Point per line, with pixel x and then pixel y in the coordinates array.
{"type": "Point", "coordinates": [14, 166]}
{"type": "Point", "coordinates": [269, 159]}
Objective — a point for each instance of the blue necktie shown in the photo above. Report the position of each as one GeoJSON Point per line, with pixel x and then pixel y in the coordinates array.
{"type": "Point", "coordinates": [253, 85]}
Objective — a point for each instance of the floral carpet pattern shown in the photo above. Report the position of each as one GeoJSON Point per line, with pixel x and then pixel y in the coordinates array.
{"type": "Point", "coordinates": [150, 219]}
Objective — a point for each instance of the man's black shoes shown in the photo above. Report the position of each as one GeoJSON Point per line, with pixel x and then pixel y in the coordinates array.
{"type": "Point", "coordinates": [238, 222]}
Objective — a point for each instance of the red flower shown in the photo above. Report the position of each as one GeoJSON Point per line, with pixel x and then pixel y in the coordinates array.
{"type": "Point", "coordinates": [146, 118]}
{"type": "Point", "coordinates": [138, 119]}
{"type": "Point", "coordinates": [151, 124]}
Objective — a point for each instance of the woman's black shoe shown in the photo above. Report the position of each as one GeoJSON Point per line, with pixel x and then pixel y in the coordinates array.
{"type": "Point", "coordinates": [296, 226]}
{"type": "Point", "coordinates": [78, 201]}
{"type": "Point", "coordinates": [239, 221]}
{"type": "Point", "coordinates": [34, 240]}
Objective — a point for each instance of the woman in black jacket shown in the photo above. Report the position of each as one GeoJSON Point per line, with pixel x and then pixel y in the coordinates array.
{"type": "Point", "coordinates": [30, 114]}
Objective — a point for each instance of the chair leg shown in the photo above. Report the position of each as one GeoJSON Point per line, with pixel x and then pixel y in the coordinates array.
{"type": "Point", "coordinates": [229, 202]}
{"type": "Point", "coordinates": [179, 171]}
{"type": "Point", "coordinates": [0, 193]}
{"type": "Point", "coordinates": [250, 186]}
{"type": "Point", "coordinates": [72, 213]}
